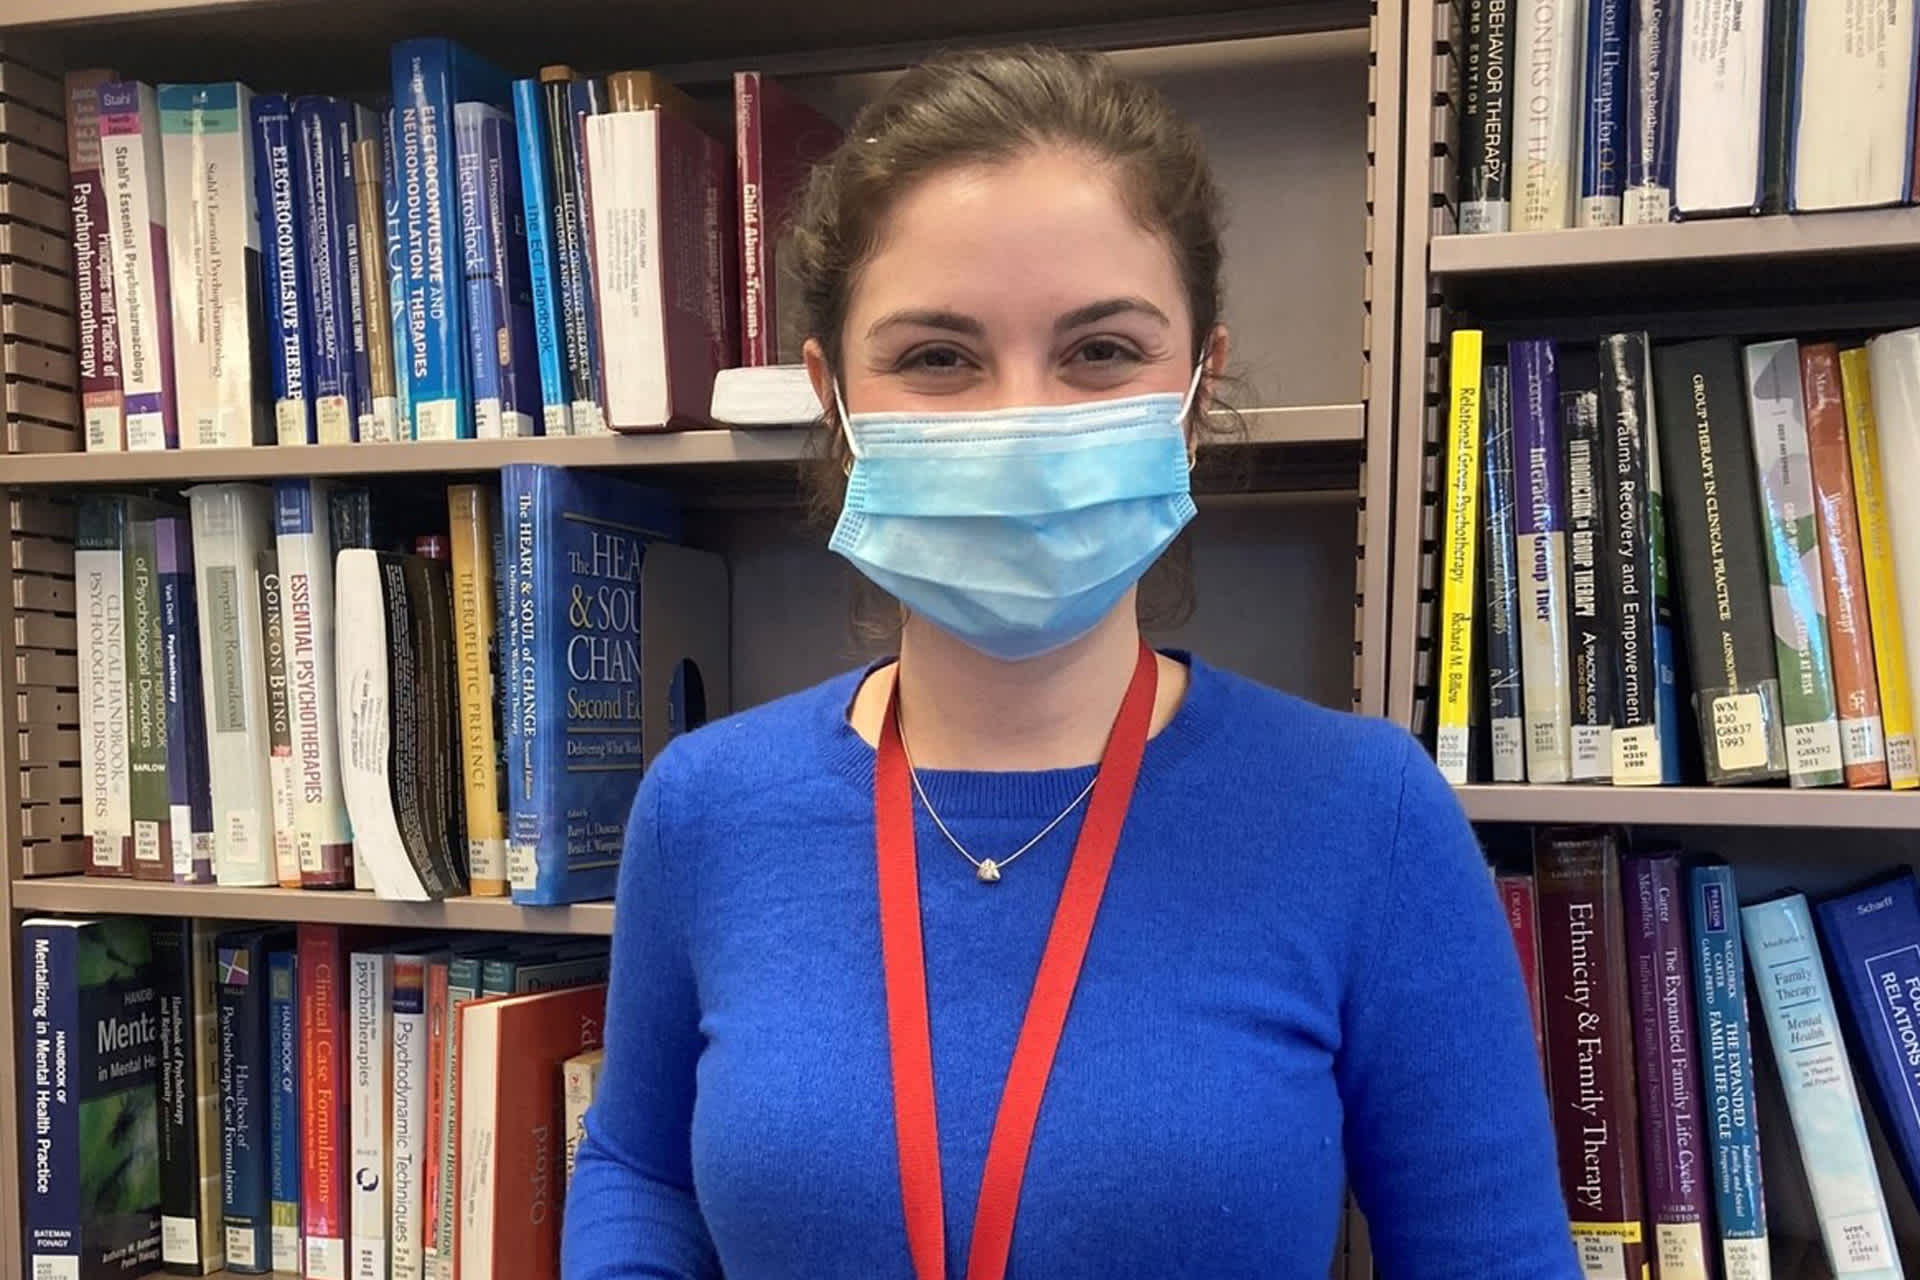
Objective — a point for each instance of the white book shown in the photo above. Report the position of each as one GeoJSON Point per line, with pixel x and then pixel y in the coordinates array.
{"type": "Point", "coordinates": [230, 529]}
{"type": "Point", "coordinates": [1853, 106]}
{"type": "Point", "coordinates": [130, 170]}
{"type": "Point", "coordinates": [362, 679]}
{"type": "Point", "coordinates": [106, 777]}
{"type": "Point", "coordinates": [1894, 362]}
{"type": "Point", "coordinates": [213, 244]}
{"type": "Point", "coordinates": [412, 1068]}
{"type": "Point", "coordinates": [579, 1078]}
{"type": "Point", "coordinates": [1722, 106]}
{"type": "Point", "coordinates": [322, 834]}
{"type": "Point", "coordinates": [768, 395]}
{"type": "Point", "coordinates": [1548, 38]}
{"type": "Point", "coordinates": [281, 778]}
{"type": "Point", "coordinates": [369, 1112]}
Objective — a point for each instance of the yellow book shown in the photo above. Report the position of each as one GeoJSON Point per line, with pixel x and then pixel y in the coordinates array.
{"type": "Point", "coordinates": [1458, 572]}
{"type": "Point", "coordinates": [1876, 548]}
{"type": "Point", "coordinates": [472, 518]}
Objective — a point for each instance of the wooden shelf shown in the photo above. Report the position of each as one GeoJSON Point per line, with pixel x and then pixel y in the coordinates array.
{"type": "Point", "coordinates": [1873, 231]}
{"type": "Point", "coordinates": [1693, 806]}
{"type": "Point", "coordinates": [91, 895]}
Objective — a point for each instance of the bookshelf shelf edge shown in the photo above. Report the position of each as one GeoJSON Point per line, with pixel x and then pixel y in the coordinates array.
{"type": "Point", "coordinates": [1710, 240]}
{"type": "Point", "coordinates": [1692, 806]}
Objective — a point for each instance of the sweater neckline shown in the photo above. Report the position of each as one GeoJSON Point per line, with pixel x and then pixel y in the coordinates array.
{"type": "Point", "coordinates": [1018, 793]}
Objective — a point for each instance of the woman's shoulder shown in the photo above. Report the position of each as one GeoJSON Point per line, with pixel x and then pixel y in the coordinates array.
{"type": "Point", "coordinates": [771, 744]}
{"type": "Point", "coordinates": [1259, 726]}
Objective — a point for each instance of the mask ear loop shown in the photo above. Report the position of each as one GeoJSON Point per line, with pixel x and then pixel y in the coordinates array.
{"type": "Point", "coordinates": [1186, 405]}
{"type": "Point", "coordinates": [846, 430]}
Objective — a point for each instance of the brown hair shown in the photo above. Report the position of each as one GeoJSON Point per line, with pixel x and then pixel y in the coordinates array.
{"type": "Point", "coordinates": [984, 107]}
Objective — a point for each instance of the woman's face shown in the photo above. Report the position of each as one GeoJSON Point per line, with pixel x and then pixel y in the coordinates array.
{"type": "Point", "coordinates": [1022, 283]}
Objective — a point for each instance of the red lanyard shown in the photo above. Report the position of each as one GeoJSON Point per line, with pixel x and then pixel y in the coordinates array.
{"type": "Point", "coordinates": [915, 1125]}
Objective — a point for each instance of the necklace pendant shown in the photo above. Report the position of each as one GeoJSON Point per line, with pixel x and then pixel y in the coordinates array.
{"type": "Point", "coordinates": [988, 871]}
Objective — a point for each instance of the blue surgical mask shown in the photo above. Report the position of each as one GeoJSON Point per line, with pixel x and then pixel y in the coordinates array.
{"type": "Point", "coordinates": [1016, 529]}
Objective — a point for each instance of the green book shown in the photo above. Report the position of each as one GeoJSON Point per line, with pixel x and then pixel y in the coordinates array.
{"type": "Point", "coordinates": [146, 700]}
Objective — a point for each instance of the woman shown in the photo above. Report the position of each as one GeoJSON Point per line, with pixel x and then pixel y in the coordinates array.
{"type": "Point", "coordinates": [1035, 951]}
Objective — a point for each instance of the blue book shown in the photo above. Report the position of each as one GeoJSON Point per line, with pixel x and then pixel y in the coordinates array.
{"type": "Point", "coordinates": [1540, 535]}
{"type": "Point", "coordinates": [429, 77]}
{"type": "Point", "coordinates": [396, 248]}
{"type": "Point", "coordinates": [567, 101]}
{"type": "Point", "coordinates": [1654, 84]}
{"type": "Point", "coordinates": [574, 744]}
{"type": "Point", "coordinates": [355, 123]}
{"type": "Point", "coordinates": [1733, 1134]}
{"type": "Point", "coordinates": [283, 1107]}
{"type": "Point", "coordinates": [245, 1181]}
{"type": "Point", "coordinates": [1603, 137]}
{"type": "Point", "coordinates": [520, 403]}
{"type": "Point", "coordinates": [323, 180]}
{"type": "Point", "coordinates": [282, 266]}
{"type": "Point", "coordinates": [536, 194]}
{"type": "Point", "coordinates": [189, 781]}
{"type": "Point", "coordinates": [192, 1240]}
{"type": "Point", "coordinates": [1811, 1053]}
{"type": "Point", "coordinates": [89, 1066]}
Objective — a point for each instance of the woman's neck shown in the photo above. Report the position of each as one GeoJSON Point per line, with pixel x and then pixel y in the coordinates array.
{"type": "Point", "coordinates": [960, 709]}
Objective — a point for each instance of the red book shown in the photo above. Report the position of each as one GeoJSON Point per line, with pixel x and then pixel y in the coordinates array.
{"type": "Point", "coordinates": [776, 140]}
{"type": "Point", "coordinates": [436, 1088]}
{"type": "Point", "coordinates": [322, 970]}
{"type": "Point", "coordinates": [1516, 899]}
{"type": "Point", "coordinates": [512, 1144]}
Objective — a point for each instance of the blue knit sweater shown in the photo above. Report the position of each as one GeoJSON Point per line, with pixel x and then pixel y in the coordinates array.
{"type": "Point", "coordinates": [1300, 978]}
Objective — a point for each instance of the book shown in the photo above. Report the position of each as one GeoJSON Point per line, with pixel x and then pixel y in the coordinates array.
{"type": "Point", "coordinates": [230, 530]}
{"type": "Point", "coordinates": [768, 395]}
{"type": "Point", "coordinates": [369, 1106]}
{"type": "Point", "coordinates": [213, 238]}
{"type": "Point", "coordinates": [322, 834]}
{"type": "Point", "coordinates": [511, 1054]}
{"type": "Point", "coordinates": [1799, 599]}
{"type": "Point", "coordinates": [370, 226]}
{"type": "Point", "coordinates": [1884, 614]}
{"type": "Point", "coordinates": [1776, 121]}
{"type": "Point", "coordinates": [189, 781]}
{"type": "Point", "coordinates": [1604, 130]}
{"type": "Point", "coordinates": [1460, 542]}
{"type": "Point", "coordinates": [356, 123]}
{"type": "Point", "coordinates": [1706, 459]}
{"type": "Point", "coordinates": [1894, 363]}
{"type": "Point", "coordinates": [1540, 515]}
{"type": "Point", "coordinates": [397, 294]}
{"type": "Point", "coordinates": [324, 1143]}
{"type": "Point", "coordinates": [534, 145]}
{"type": "Point", "coordinates": [283, 1104]}
{"type": "Point", "coordinates": [1486, 118]}
{"type": "Point", "coordinates": [1666, 708]}
{"type": "Point", "coordinates": [1518, 902]}
{"type": "Point", "coordinates": [323, 185]}
{"type": "Point", "coordinates": [579, 325]}
{"type": "Point", "coordinates": [1654, 53]}
{"type": "Point", "coordinates": [1853, 105]}
{"type": "Point", "coordinates": [1722, 91]}
{"type": "Point", "coordinates": [192, 1229]}
{"type": "Point", "coordinates": [430, 76]}
{"type": "Point", "coordinates": [1627, 516]}
{"type": "Point", "coordinates": [1804, 1029]}
{"type": "Point", "coordinates": [148, 807]}
{"type": "Point", "coordinates": [667, 323]}
{"type": "Point", "coordinates": [579, 1078]}
{"type": "Point", "coordinates": [89, 1064]}
{"type": "Point", "coordinates": [131, 168]}
{"type": "Point", "coordinates": [279, 725]}
{"type": "Point", "coordinates": [1593, 659]}
{"type": "Point", "coordinates": [574, 535]}
{"type": "Point", "coordinates": [1506, 714]}
{"type": "Point", "coordinates": [463, 987]}
{"type": "Point", "coordinates": [1590, 1046]}
{"type": "Point", "coordinates": [499, 324]}
{"type": "Point", "coordinates": [777, 140]}
{"type": "Point", "coordinates": [282, 267]}
{"type": "Point", "coordinates": [408, 1117]}
{"type": "Point", "coordinates": [1726, 1069]}
{"type": "Point", "coordinates": [475, 527]}
{"type": "Point", "coordinates": [544, 967]}
{"type": "Point", "coordinates": [106, 778]}
{"type": "Point", "coordinates": [245, 1087]}
{"type": "Point", "coordinates": [96, 321]}
{"type": "Point", "coordinates": [511, 273]}
{"type": "Point", "coordinates": [1863, 744]}
{"type": "Point", "coordinates": [1672, 1120]}
{"type": "Point", "coordinates": [1546, 123]}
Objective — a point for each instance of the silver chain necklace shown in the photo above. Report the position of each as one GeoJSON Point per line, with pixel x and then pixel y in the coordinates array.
{"type": "Point", "coordinates": [986, 870]}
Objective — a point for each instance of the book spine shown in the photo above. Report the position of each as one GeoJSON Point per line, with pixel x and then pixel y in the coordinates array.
{"type": "Point", "coordinates": [51, 1045]}
{"type": "Point", "coordinates": [578, 322]}
{"type": "Point", "coordinates": [477, 659]}
{"type": "Point", "coordinates": [397, 294]}
{"type": "Point", "coordinates": [407, 1171]}
{"type": "Point", "coordinates": [191, 1232]}
{"type": "Point", "coordinates": [624, 164]}
{"type": "Point", "coordinates": [1486, 124]}
{"type": "Point", "coordinates": [1894, 360]}
{"type": "Point", "coordinates": [148, 804]}
{"type": "Point", "coordinates": [1457, 557]}
{"type": "Point", "coordinates": [758, 323]}
{"type": "Point", "coordinates": [283, 1107]}
{"type": "Point", "coordinates": [279, 725]}
{"type": "Point", "coordinates": [1812, 1058]}
{"type": "Point", "coordinates": [323, 837]}
{"type": "Point", "coordinates": [580, 1077]}
{"type": "Point", "coordinates": [1666, 707]}
{"type": "Point", "coordinates": [376, 291]}
{"type": "Point", "coordinates": [1863, 744]}
{"type": "Point", "coordinates": [323, 1102]}
{"type": "Point", "coordinates": [1540, 517]}
{"type": "Point", "coordinates": [353, 123]}
{"type": "Point", "coordinates": [1603, 141]}
{"type": "Point", "coordinates": [1673, 1144]}
{"type": "Point", "coordinates": [1720, 115]}
{"type": "Point", "coordinates": [97, 331]}
{"type": "Point", "coordinates": [243, 1105]}
{"type": "Point", "coordinates": [1627, 516]}
{"type": "Point", "coordinates": [281, 268]}
{"type": "Point", "coordinates": [1589, 1038]}
{"type": "Point", "coordinates": [1517, 900]}
{"type": "Point", "coordinates": [1799, 600]}
{"type": "Point", "coordinates": [1706, 462]}
{"type": "Point", "coordinates": [369, 1109]}
{"type": "Point", "coordinates": [476, 275]}
{"type": "Point", "coordinates": [1654, 81]}
{"type": "Point", "coordinates": [106, 781]}
{"type": "Point", "coordinates": [189, 786]}
{"type": "Point", "coordinates": [1852, 105]}
{"type": "Point", "coordinates": [463, 986]}
{"type": "Point", "coordinates": [1506, 713]}
{"type": "Point", "coordinates": [1876, 549]}
{"type": "Point", "coordinates": [1592, 637]}
{"type": "Point", "coordinates": [436, 305]}
{"type": "Point", "coordinates": [511, 273]}
{"type": "Point", "coordinates": [1544, 143]}
{"type": "Point", "coordinates": [519, 495]}
{"type": "Point", "coordinates": [330, 305]}
{"type": "Point", "coordinates": [131, 167]}
{"type": "Point", "coordinates": [1779, 108]}
{"type": "Point", "coordinates": [434, 1116]}
{"type": "Point", "coordinates": [430, 593]}
{"type": "Point", "coordinates": [536, 196]}
{"type": "Point", "coordinates": [1720, 982]}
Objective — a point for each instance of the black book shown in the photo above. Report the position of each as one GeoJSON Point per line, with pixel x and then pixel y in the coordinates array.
{"type": "Point", "coordinates": [1590, 629]}
{"type": "Point", "coordinates": [1718, 558]}
{"type": "Point", "coordinates": [1486, 117]}
{"type": "Point", "coordinates": [193, 1242]}
{"type": "Point", "coordinates": [1776, 127]}
{"type": "Point", "coordinates": [1500, 578]}
{"type": "Point", "coordinates": [1627, 515]}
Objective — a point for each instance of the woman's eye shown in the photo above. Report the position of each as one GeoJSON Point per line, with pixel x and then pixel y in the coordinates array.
{"type": "Point", "coordinates": [1103, 351]}
{"type": "Point", "coordinates": [933, 358]}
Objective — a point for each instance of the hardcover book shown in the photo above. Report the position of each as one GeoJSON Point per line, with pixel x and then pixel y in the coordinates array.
{"type": "Point", "coordinates": [475, 523]}
{"type": "Point", "coordinates": [1457, 568]}
{"type": "Point", "coordinates": [1506, 713]}
{"type": "Point", "coordinates": [106, 780]}
{"type": "Point", "coordinates": [1603, 134]}
{"type": "Point", "coordinates": [1518, 900]}
{"type": "Point", "coordinates": [382, 424]}
{"type": "Point", "coordinates": [323, 185]}
{"type": "Point", "coordinates": [1627, 516]}
{"type": "Point", "coordinates": [1654, 49]}
{"type": "Point", "coordinates": [579, 1080]}
{"type": "Point", "coordinates": [283, 1105]}
{"type": "Point", "coordinates": [1540, 514]}
{"type": "Point", "coordinates": [535, 147]}
{"type": "Point", "coordinates": [192, 1234]}
{"type": "Point", "coordinates": [397, 295]}
{"type": "Point", "coordinates": [1853, 105]}
{"type": "Point", "coordinates": [282, 268]}
{"type": "Point", "coordinates": [324, 1050]}
{"type": "Point", "coordinates": [408, 1118]}
{"type": "Point", "coordinates": [1776, 137]}
{"type": "Point", "coordinates": [97, 325]}
{"type": "Point", "coordinates": [130, 166]}
{"type": "Point", "coordinates": [322, 835]}
{"type": "Point", "coordinates": [777, 141]}
{"type": "Point", "coordinates": [1894, 359]}
{"type": "Point", "coordinates": [1547, 123]}
{"type": "Point", "coordinates": [1486, 118]}
{"type": "Point", "coordinates": [499, 321]}
{"type": "Point", "coordinates": [245, 1089]}
{"type": "Point", "coordinates": [369, 1111]}
{"type": "Point", "coordinates": [1722, 88]}
{"type": "Point", "coordinates": [279, 732]}
{"type": "Point", "coordinates": [149, 804]}
{"type": "Point", "coordinates": [1592, 657]}
{"type": "Point", "coordinates": [510, 273]}
{"type": "Point", "coordinates": [357, 123]}
{"type": "Point", "coordinates": [189, 782]}
{"type": "Point", "coordinates": [579, 325]}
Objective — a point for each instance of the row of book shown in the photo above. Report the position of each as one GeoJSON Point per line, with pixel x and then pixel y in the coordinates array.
{"type": "Point", "coordinates": [476, 256]}
{"type": "Point", "coordinates": [304, 1101]}
{"type": "Point", "coordinates": [1598, 113]}
{"type": "Point", "coordinates": [1782, 478]}
{"type": "Point", "coordinates": [308, 686]}
{"type": "Point", "coordinates": [1638, 969]}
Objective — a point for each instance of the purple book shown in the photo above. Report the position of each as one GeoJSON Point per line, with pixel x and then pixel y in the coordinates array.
{"type": "Point", "coordinates": [189, 783]}
{"type": "Point", "coordinates": [1673, 1139]}
{"type": "Point", "coordinates": [1540, 525]}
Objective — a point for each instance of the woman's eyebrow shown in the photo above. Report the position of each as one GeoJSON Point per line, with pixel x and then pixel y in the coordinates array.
{"type": "Point", "coordinates": [1094, 312]}
{"type": "Point", "coordinates": [930, 318]}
